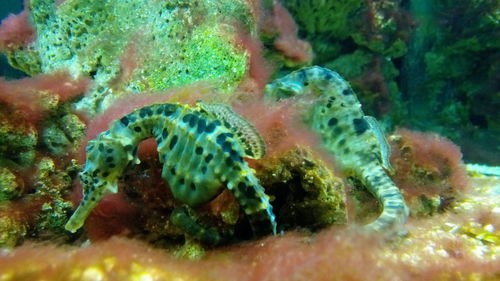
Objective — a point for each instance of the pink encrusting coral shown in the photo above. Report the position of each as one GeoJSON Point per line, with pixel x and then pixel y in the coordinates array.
{"type": "Point", "coordinates": [278, 123]}
{"type": "Point", "coordinates": [15, 31]}
{"type": "Point", "coordinates": [279, 23]}
{"type": "Point", "coordinates": [288, 42]}
{"type": "Point", "coordinates": [130, 60]}
{"type": "Point", "coordinates": [427, 164]}
{"type": "Point", "coordinates": [333, 254]}
{"type": "Point", "coordinates": [259, 69]}
{"type": "Point", "coordinates": [35, 95]}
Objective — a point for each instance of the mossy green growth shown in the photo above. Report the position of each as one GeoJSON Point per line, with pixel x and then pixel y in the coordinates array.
{"type": "Point", "coordinates": [9, 187]}
{"type": "Point", "coordinates": [17, 140]}
{"type": "Point", "coordinates": [53, 183]}
{"type": "Point", "coordinates": [326, 23]}
{"type": "Point", "coordinates": [351, 65]}
{"type": "Point", "coordinates": [306, 192]}
{"type": "Point", "coordinates": [209, 55]}
{"type": "Point", "coordinates": [451, 73]}
{"type": "Point", "coordinates": [25, 58]}
{"type": "Point", "coordinates": [139, 45]}
{"type": "Point", "coordinates": [12, 231]}
{"type": "Point", "coordinates": [63, 132]}
{"type": "Point", "coordinates": [322, 17]}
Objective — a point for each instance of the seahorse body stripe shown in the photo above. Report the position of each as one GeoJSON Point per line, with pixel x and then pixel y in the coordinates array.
{"type": "Point", "coordinates": [337, 117]}
{"type": "Point", "coordinates": [199, 156]}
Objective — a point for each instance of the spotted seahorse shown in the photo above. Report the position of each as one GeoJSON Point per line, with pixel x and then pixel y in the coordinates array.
{"type": "Point", "coordinates": [353, 138]}
{"type": "Point", "coordinates": [200, 153]}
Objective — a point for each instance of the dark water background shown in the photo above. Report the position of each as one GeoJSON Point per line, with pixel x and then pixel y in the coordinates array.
{"type": "Point", "coordinates": [9, 7]}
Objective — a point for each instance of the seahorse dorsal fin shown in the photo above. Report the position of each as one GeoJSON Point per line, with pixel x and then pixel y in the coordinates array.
{"type": "Point", "coordinates": [385, 149]}
{"type": "Point", "coordinates": [246, 133]}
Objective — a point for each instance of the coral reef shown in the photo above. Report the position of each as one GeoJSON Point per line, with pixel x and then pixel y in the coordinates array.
{"type": "Point", "coordinates": [306, 192]}
{"type": "Point", "coordinates": [155, 47]}
{"type": "Point", "coordinates": [43, 209]}
{"type": "Point", "coordinates": [17, 139]}
{"type": "Point", "coordinates": [463, 245]}
{"type": "Point", "coordinates": [429, 170]}
{"type": "Point", "coordinates": [10, 188]}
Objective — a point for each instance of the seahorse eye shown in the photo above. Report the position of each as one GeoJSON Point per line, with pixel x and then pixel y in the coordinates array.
{"type": "Point", "coordinates": [287, 89]}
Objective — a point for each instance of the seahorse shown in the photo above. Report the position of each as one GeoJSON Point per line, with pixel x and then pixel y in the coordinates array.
{"type": "Point", "coordinates": [354, 139]}
{"type": "Point", "coordinates": [199, 155]}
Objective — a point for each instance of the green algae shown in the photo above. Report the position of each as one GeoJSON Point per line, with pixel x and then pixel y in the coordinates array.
{"type": "Point", "coordinates": [351, 65]}
{"type": "Point", "coordinates": [136, 45]}
{"type": "Point", "coordinates": [62, 133]}
{"type": "Point", "coordinates": [203, 59]}
{"type": "Point", "coordinates": [326, 23]}
{"type": "Point", "coordinates": [306, 192]}
{"type": "Point", "coordinates": [9, 186]}
{"type": "Point", "coordinates": [17, 140]}
{"type": "Point", "coordinates": [445, 74]}
{"type": "Point", "coordinates": [26, 59]}
{"type": "Point", "coordinates": [12, 231]}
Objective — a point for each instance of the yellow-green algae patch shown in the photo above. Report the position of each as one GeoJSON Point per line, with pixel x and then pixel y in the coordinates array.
{"type": "Point", "coordinates": [305, 190]}
{"type": "Point", "coordinates": [136, 45]}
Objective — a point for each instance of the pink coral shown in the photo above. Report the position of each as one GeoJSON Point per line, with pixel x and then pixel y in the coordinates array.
{"type": "Point", "coordinates": [288, 42]}
{"type": "Point", "coordinates": [280, 23]}
{"type": "Point", "coordinates": [279, 124]}
{"type": "Point", "coordinates": [33, 95]}
{"type": "Point", "coordinates": [427, 164]}
{"type": "Point", "coordinates": [15, 31]}
{"type": "Point", "coordinates": [259, 69]}
{"type": "Point", "coordinates": [330, 255]}
{"type": "Point", "coordinates": [129, 62]}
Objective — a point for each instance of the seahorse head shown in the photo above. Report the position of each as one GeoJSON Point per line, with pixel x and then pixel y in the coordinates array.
{"type": "Point", "coordinates": [283, 88]}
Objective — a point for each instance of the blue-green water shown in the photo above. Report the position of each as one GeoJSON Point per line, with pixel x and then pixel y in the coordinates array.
{"type": "Point", "coordinates": [9, 7]}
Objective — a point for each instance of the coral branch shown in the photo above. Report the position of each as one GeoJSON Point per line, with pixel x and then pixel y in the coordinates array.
{"type": "Point", "coordinates": [35, 95]}
{"type": "Point", "coordinates": [15, 31]}
{"type": "Point", "coordinates": [288, 42]}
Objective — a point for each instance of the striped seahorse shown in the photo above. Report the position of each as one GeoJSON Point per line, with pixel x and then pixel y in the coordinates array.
{"type": "Point", "coordinates": [201, 149]}
{"type": "Point", "coordinates": [334, 112]}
